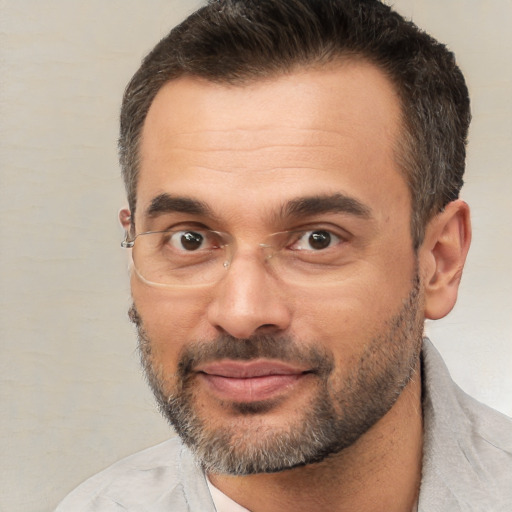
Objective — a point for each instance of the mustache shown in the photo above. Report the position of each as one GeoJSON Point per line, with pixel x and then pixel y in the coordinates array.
{"type": "Point", "coordinates": [260, 346]}
{"type": "Point", "coordinates": [263, 346]}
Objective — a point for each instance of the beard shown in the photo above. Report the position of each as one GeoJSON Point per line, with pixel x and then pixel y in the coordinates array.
{"type": "Point", "coordinates": [341, 409]}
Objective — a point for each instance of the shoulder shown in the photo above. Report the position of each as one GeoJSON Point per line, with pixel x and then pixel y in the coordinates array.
{"type": "Point", "coordinates": [454, 411]}
{"type": "Point", "coordinates": [138, 482]}
{"type": "Point", "coordinates": [467, 459]}
{"type": "Point", "coordinates": [489, 434]}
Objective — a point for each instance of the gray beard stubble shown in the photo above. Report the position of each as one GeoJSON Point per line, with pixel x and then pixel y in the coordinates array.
{"type": "Point", "coordinates": [335, 419]}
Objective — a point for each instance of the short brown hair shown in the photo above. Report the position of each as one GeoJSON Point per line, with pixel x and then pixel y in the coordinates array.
{"type": "Point", "coordinates": [238, 41]}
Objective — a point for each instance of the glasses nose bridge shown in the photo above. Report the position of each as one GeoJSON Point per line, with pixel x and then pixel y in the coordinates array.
{"type": "Point", "coordinates": [247, 249]}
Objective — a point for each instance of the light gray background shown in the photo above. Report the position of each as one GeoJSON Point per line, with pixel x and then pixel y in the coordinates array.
{"type": "Point", "coordinates": [72, 396]}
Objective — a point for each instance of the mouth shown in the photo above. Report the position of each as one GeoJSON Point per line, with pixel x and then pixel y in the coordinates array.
{"type": "Point", "coordinates": [250, 381]}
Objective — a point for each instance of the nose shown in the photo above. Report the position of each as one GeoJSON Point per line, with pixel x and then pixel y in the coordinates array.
{"type": "Point", "coordinates": [249, 300]}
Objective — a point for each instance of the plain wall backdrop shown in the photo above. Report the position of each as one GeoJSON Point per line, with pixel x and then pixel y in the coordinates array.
{"type": "Point", "coordinates": [73, 399]}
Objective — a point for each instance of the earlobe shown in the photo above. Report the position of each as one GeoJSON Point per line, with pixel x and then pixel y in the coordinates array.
{"type": "Point", "coordinates": [442, 256]}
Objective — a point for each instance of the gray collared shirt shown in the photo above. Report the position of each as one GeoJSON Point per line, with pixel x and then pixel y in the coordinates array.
{"type": "Point", "coordinates": [467, 462]}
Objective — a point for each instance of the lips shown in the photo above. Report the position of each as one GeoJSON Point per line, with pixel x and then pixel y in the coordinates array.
{"type": "Point", "coordinates": [250, 381]}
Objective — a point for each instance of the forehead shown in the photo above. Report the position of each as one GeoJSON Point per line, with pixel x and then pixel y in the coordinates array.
{"type": "Point", "coordinates": [326, 130]}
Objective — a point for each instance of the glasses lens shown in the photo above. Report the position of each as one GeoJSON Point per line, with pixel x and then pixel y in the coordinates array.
{"type": "Point", "coordinates": [314, 257]}
{"type": "Point", "coordinates": [193, 257]}
{"type": "Point", "coordinates": [180, 258]}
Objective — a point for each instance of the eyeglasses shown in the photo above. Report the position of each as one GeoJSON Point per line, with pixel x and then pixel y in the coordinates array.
{"type": "Point", "coordinates": [196, 257]}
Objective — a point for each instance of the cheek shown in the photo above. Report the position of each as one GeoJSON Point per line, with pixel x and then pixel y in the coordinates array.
{"type": "Point", "coordinates": [170, 319]}
{"type": "Point", "coordinates": [339, 321]}
{"type": "Point", "coordinates": [350, 315]}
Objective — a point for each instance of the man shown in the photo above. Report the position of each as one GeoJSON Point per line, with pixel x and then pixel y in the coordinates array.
{"type": "Point", "coordinates": [293, 169]}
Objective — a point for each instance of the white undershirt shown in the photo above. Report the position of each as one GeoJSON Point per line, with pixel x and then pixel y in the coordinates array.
{"type": "Point", "coordinates": [224, 503]}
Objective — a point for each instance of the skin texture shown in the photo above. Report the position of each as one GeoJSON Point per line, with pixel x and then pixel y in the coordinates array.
{"type": "Point", "coordinates": [246, 152]}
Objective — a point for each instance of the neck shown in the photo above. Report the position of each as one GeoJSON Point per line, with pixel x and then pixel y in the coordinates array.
{"type": "Point", "coordinates": [380, 471]}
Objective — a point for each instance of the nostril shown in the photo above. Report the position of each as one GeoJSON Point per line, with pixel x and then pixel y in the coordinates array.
{"type": "Point", "coordinates": [268, 328]}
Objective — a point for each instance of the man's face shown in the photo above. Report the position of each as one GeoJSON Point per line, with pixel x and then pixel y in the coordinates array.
{"type": "Point", "coordinates": [258, 372]}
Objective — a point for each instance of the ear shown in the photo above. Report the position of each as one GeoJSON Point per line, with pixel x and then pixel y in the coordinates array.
{"type": "Point", "coordinates": [442, 257]}
{"type": "Point", "coordinates": [125, 218]}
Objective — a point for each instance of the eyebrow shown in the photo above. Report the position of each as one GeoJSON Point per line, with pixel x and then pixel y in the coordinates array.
{"type": "Point", "coordinates": [318, 204]}
{"type": "Point", "coordinates": [299, 207]}
{"type": "Point", "coordinates": [166, 203]}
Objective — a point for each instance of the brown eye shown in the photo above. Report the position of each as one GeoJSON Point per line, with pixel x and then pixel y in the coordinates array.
{"type": "Point", "coordinates": [187, 240]}
{"type": "Point", "coordinates": [314, 240]}
{"type": "Point", "coordinates": [319, 240]}
{"type": "Point", "coordinates": [191, 241]}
